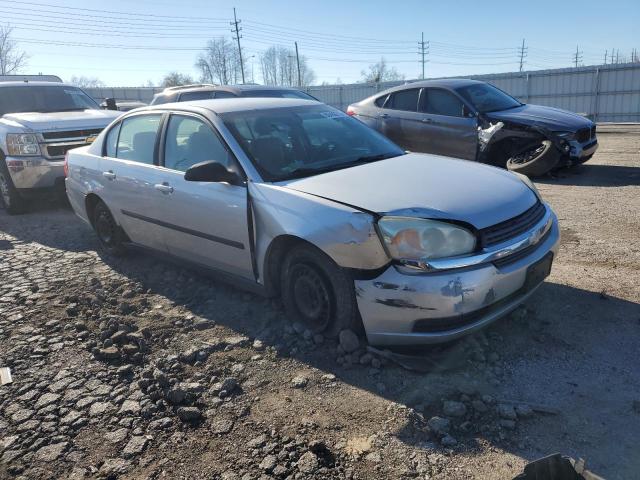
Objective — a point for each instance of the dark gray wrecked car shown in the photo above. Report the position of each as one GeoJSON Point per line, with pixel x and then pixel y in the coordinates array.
{"type": "Point", "coordinates": [474, 120]}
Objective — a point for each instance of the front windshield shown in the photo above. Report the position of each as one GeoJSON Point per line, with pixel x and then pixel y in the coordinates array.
{"type": "Point", "coordinates": [487, 98]}
{"type": "Point", "coordinates": [287, 143]}
{"type": "Point", "coordinates": [41, 98]}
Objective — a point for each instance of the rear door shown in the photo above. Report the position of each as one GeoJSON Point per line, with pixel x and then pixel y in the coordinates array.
{"type": "Point", "coordinates": [400, 120]}
{"type": "Point", "coordinates": [447, 129]}
{"type": "Point", "coordinates": [129, 172]}
{"type": "Point", "coordinates": [204, 222]}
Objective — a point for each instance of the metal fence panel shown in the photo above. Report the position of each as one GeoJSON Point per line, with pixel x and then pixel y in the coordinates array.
{"type": "Point", "coordinates": [605, 93]}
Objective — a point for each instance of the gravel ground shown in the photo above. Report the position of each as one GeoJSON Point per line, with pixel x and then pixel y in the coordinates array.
{"type": "Point", "coordinates": [137, 368]}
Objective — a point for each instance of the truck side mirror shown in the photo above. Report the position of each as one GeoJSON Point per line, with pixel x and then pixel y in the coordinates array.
{"type": "Point", "coordinates": [110, 104]}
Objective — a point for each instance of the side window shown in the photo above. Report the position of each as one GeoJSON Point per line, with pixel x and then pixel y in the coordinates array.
{"type": "Point", "coordinates": [196, 95]}
{"type": "Point", "coordinates": [441, 102]}
{"type": "Point", "coordinates": [405, 100]}
{"type": "Point", "coordinates": [380, 100]}
{"type": "Point", "coordinates": [190, 141]}
{"type": "Point", "coordinates": [223, 94]}
{"type": "Point", "coordinates": [111, 140]}
{"type": "Point", "coordinates": [137, 138]}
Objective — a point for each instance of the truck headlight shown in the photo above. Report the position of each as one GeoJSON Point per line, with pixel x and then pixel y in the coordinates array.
{"type": "Point", "coordinates": [409, 238]}
{"type": "Point", "coordinates": [22, 144]}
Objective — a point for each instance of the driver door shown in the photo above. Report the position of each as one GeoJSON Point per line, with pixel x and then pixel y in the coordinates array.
{"type": "Point", "coordinates": [204, 222]}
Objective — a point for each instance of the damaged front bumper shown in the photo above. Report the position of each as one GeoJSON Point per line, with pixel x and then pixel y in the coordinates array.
{"type": "Point", "coordinates": [403, 308]}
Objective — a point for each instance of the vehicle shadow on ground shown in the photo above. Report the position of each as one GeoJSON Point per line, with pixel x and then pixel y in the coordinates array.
{"type": "Point", "coordinates": [61, 234]}
{"type": "Point", "coordinates": [588, 175]}
{"type": "Point", "coordinates": [469, 365]}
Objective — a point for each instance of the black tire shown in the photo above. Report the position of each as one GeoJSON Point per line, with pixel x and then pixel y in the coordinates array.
{"type": "Point", "coordinates": [10, 198]}
{"type": "Point", "coordinates": [536, 160]}
{"type": "Point", "coordinates": [110, 235]}
{"type": "Point", "coordinates": [317, 292]}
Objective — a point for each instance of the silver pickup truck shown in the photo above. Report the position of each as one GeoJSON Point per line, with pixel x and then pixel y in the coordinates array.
{"type": "Point", "coordinates": [39, 122]}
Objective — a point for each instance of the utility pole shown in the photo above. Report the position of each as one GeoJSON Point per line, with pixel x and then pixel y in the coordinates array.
{"type": "Point", "coordinates": [617, 55]}
{"type": "Point", "coordinates": [605, 56]}
{"type": "Point", "coordinates": [523, 53]}
{"type": "Point", "coordinates": [577, 58]}
{"type": "Point", "coordinates": [424, 49]}
{"type": "Point", "coordinates": [290, 57]}
{"type": "Point", "coordinates": [236, 31]}
{"type": "Point", "coordinates": [298, 63]}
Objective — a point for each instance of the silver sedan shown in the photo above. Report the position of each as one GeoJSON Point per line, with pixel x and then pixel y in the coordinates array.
{"type": "Point", "coordinates": [294, 198]}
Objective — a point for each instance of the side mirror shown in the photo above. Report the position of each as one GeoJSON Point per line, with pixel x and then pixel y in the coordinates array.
{"type": "Point", "coordinates": [466, 112]}
{"type": "Point", "coordinates": [110, 104]}
{"type": "Point", "coordinates": [211, 171]}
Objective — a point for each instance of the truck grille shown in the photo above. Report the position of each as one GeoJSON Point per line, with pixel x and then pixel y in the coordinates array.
{"type": "Point", "coordinates": [68, 134]}
{"type": "Point", "coordinates": [60, 150]}
{"type": "Point", "coordinates": [513, 227]}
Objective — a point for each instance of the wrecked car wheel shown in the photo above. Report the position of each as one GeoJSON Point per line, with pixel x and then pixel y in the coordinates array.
{"type": "Point", "coordinates": [536, 160]}
{"type": "Point", "coordinates": [317, 292]}
{"type": "Point", "coordinates": [110, 235]}
{"type": "Point", "coordinates": [10, 199]}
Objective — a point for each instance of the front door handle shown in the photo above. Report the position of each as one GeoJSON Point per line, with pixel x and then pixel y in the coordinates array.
{"type": "Point", "coordinates": [109, 175]}
{"type": "Point", "coordinates": [164, 187]}
{"type": "Point", "coordinates": [384, 115]}
{"type": "Point", "coordinates": [427, 120]}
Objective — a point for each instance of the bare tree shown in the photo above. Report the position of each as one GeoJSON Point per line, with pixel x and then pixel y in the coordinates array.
{"type": "Point", "coordinates": [220, 62]}
{"type": "Point", "coordinates": [381, 72]}
{"type": "Point", "coordinates": [174, 79]}
{"type": "Point", "coordinates": [86, 82]}
{"type": "Point", "coordinates": [279, 67]}
{"type": "Point", "coordinates": [11, 58]}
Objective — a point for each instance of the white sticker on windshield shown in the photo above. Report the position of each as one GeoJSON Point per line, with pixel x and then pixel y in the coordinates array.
{"type": "Point", "coordinates": [333, 114]}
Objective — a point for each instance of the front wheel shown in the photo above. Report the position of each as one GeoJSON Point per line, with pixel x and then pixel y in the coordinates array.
{"type": "Point", "coordinates": [109, 234]}
{"type": "Point", "coordinates": [10, 199]}
{"type": "Point", "coordinates": [317, 292]}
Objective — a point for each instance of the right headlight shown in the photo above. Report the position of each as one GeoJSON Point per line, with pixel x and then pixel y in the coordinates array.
{"type": "Point", "coordinates": [22, 144]}
{"type": "Point", "coordinates": [408, 238]}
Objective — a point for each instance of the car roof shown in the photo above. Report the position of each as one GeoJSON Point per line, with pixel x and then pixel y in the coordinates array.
{"type": "Point", "coordinates": [238, 104]}
{"type": "Point", "coordinates": [441, 82]}
{"type": "Point", "coordinates": [237, 89]}
{"type": "Point", "coordinates": [37, 84]}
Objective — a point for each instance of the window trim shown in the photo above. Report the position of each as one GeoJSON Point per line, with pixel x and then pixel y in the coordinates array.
{"type": "Point", "coordinates": [425, 93]}
{"type": "Point", "coordinates": [203, 119]}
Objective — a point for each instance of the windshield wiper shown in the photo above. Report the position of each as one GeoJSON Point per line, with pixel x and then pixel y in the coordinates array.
{"type": "Point", "coordinates": [69, 110]}
{"type": "Point", "coordinates": [308, 171]}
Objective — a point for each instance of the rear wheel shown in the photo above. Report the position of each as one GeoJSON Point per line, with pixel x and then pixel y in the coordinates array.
{"type": "Point", "coordinates": [318, 292]}
{"type": "Point", "coordinates": [109, 234]}
{"type": "Point", "coordinates": [10, 198]}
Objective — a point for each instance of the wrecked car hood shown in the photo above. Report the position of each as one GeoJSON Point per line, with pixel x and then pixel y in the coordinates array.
{"type": "Point", "coordinates": [549, 117]}
{"type": "Point", "coordinates": [38, 122]}
{"type": "Point", "coordinates": [427, 186]}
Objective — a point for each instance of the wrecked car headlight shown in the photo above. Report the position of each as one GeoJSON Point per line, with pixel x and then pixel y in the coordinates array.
{"type": "Point", "coordinates": [527, 181]}
{"type": "Point", "coordinates": [409, 238]}
{"type": "Point", "coordinates": [22, 144]}
{"type": "Point", "coordinates": [565, 135]}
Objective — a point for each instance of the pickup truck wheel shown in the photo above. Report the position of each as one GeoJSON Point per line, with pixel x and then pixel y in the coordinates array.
{"type": "Point", "coordinates": [110, 235]}
{"type": "Point", "coordinates": [10, 199]}
{"type": "Point", "coordinates": [536, 160]}
{"type": "Point", "coordinates": [317, 292]}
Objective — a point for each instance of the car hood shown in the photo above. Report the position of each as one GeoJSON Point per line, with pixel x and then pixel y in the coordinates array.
{"type": "Point", "coordinates": [425, 186]}
{"type": "Point", "coordinates": [52, 121]}
{"type": "Point", "coordinates": [549, 117]}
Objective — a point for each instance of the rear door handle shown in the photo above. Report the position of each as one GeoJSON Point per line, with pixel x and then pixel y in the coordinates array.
{"type": "Point", "coordinates": [164, 187]}
{"type": "Point", "coordinates": [384, 115]}
{"type": "Point", "coordinates": [109, 175]}
{"type": "Point", "coordinates": [427, 120]}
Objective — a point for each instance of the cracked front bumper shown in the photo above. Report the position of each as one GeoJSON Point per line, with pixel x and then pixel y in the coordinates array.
{"type": "Point", "coordinates": [35, 172]}
{"type": "Point", "coordinates": [399, 308]}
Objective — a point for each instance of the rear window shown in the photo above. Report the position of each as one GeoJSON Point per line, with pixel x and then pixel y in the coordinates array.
{"type": "Point", "coordinates": [137, 139]}
{"type": "Point", "coordinates": [380, 100]}
{"type": "Point", "coordinates": [277, 94]}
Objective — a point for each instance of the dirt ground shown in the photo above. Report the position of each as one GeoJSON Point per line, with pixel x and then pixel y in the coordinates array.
{"type": "Point", "coordinates": [137, 368]}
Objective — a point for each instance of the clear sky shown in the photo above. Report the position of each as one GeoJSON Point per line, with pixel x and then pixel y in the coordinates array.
{"type": "Point", "coordinates": [138, 41]}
